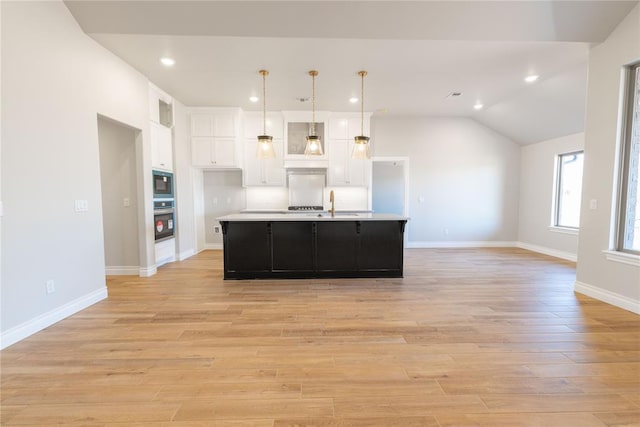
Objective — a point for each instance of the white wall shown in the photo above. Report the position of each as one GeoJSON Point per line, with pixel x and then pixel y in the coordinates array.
{"type": "Point", "coordinates": [56, 80]}
{"type": "Point", "coordinates": [611, 281]}
{"type": "Point", "coordinates": [467, 175]}
{"type": "Point", "coordinates": [119, 182]}
{"type": "Point", "coordinates": [536, 197]}
{"type": "Point", "coordinates": [185, 214]}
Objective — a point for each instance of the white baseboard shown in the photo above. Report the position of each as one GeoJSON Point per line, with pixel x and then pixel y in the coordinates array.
{"type": "Point", "coordinates": [42, 321]}
{"type": "Point", "coordinates": [186, 254]}
{"type": "Point", "coordinates": [548, 251]}
{"type": "Point", "coordinates": [460, 244]}
{"type": "Point", "coordinates": [125, 270]}
{"type": "Point", "coordinates": [148, 271]}
{"type": "Point", "coordinates": [208, 246]}
{"type": "Point", "coordinates": [607, 296]}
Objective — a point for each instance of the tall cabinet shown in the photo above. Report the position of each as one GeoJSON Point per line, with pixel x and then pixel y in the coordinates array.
{"type": "Point", "coordinates": [263, 172]}
{"type": "Point", "coordinates": [344, 170]}
{"type": "Point", "coordinates": [214, 137]}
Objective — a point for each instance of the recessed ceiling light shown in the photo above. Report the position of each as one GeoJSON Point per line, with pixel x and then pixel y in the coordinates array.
{"type": "Point", "coordinates": [254, 99]}
{"type": "Point", "coordinates": [478, 106]}
{"type": "Point", "coordinates": [353, 100]}
{"type": "Point", "coordinates": [168, 61]}
{"type": "Point", "coordinates": [530, 79]}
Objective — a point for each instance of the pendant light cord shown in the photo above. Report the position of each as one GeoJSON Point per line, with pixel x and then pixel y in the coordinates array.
{"type": "Point", "coordinates": [313, 104]}
{"type": "Point", "coordinates": [362, 106]}
{"type": "Point", "coordinates": [264, 102]}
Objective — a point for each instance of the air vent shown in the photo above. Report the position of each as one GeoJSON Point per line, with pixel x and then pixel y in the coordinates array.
{"type": "Point", "coordinates": [454, 95]}
{"type": "Point", "coordinates": [303, 99]}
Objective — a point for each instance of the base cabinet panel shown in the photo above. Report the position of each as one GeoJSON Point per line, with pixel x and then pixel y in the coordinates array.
{"type": "Point", "coordinates": [312, 249]}
{"type": "Point", "coordinates": [247, 248]}
{"type": "Point", "coordinates": [293, 246]}
{"type": "Point", "coordinates": [337, 246]}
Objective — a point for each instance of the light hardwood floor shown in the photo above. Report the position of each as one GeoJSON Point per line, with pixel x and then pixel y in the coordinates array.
{"type": "Point", "coordinates": [489, 337]}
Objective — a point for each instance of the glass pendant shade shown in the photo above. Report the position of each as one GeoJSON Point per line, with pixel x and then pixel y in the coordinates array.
{"type": "Point", "coordinates": [314, 146]}
{"type": "Point", "coordinates": [265, 147]}
{"type": "Point", "coordinates": [265, 142]}
{"type": "Point", "coordinates": [361, 148]}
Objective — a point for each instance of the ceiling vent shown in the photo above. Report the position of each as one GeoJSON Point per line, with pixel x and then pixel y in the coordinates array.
{"type": "Point", "coordinates": [454, 95]}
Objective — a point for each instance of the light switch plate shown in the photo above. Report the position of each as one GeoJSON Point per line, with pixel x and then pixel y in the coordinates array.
{"type": "Point", "coordinates": [593, 204]}
{"type": "Point", "coordinates": [81, 205]}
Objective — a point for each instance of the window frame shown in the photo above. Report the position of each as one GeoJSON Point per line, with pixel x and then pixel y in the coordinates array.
{"type": "Point", "coordinates": [555, 219]}
{"type": "Point", "coordinates": [629, 93]}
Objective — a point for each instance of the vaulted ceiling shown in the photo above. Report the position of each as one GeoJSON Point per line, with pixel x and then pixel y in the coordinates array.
{"type": "Point", "coordinates": [416, 53]}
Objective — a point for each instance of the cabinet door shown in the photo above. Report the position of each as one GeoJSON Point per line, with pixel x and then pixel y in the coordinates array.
{"type": "Point", "coordinates": [253, 125]}
{"type": "Point", "coordinates": [338, 162]}
{"type": "Point", "coordinates": [274, 171]}
{"type": "Point", "coordinates": [381, 245]}
{"type": "Point", "coordinates": [202, 125]}
{"type": "Point", "coordinates": [247, 247]}
{"type": "Point", "coordinates": [336, 246]}
{"type": "Point", "coordinates": [293, 246]}
{"type": "Point", "coordinates": [224, 152]}
{"type": "Point", "coordinates": [252, 169]}
{"type": "Point", "coordinates": [165, 148]}
{"type": "Point", "coordinates": [358, 169]}
{"type": "Point", "coordinates": [161, 147]}
{"type": "Point", "coordinates": [201, 154]}
{"type": "Point", "coordinates": [338, 128]}
{"type": "Point", "coordinates": [224, 124]}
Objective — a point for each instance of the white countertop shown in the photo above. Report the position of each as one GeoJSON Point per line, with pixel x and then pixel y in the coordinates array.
{"type": "Point", "coordinates": [311, 216]}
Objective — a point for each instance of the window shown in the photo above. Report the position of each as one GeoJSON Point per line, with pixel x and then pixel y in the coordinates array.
{"type": "Point", "coordinates": [568, 190]}
{"type": "Point", "coordinates": [629, 208]}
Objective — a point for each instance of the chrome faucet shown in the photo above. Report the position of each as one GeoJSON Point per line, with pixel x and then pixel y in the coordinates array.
{"type": "Point", "coordinates": [332, 199]}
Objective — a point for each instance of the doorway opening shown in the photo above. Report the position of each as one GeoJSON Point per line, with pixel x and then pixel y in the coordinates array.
{"type": "Point", "coordinates": [120, 198]}
{"type": "Point", "coordinates": [390, 186]}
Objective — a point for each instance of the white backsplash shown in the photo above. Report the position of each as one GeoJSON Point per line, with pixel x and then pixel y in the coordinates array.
{"type": "Point", "coordinates": [267, 198]}
{"type": "Point", "coordinates": [347, 198]}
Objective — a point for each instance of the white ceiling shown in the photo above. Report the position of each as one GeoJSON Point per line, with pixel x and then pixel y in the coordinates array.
{"type": "Point", "coordinates": [416, 53]}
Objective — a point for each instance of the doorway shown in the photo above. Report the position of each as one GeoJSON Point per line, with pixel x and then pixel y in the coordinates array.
{"type": "Point", "coordinates": [119, 184]}
{"type": "Point", "coordinates": [390, 186]}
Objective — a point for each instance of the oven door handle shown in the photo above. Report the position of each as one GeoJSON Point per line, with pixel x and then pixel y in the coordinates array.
{"type": "Point", "coordinates": [163, 211]}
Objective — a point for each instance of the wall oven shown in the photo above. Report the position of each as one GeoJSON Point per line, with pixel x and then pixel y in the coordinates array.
{"type": "Point", "coordinates": [163, 220]}
{"type": "Point", "coordinates": [162, 185]}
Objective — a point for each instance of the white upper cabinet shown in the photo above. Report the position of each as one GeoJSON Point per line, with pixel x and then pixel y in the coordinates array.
{"type": "Point", "coordinates": [263, 172]}
{"type": "Point", "coordinates": [214, 137]}
{"type": "Point", "coordinates": [253, 125]}
{"type": "Point", "coordinates": [211, 152]}
{"type": "Point", "coordinates": [223, 124]}
{"type": "Point", "coordinates": [161, 147]}
{"type": "Point", "coordinates": [343, 170]}
{"type": "Point", "coordinates": [348, 127]}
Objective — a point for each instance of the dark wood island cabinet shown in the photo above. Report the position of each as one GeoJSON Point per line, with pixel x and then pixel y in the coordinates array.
{"type": "Point", "coordinates": [290, 246]}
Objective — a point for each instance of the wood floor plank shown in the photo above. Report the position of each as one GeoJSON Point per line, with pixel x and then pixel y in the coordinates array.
{"type": "Point", "coordinates": [486, 337]}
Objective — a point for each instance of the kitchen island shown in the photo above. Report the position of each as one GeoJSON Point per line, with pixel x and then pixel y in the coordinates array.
{"type": "Point", "coordinates": [312, 245]}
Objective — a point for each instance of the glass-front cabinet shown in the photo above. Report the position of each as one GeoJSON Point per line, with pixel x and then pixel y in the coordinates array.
{"type": "Point", "coordinates": [297, 125]}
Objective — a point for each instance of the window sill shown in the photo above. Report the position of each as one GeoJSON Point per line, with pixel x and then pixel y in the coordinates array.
{"type": "Point", "coordinates": [622, 257]}
{"type": "Point", "coordinates": [564, 230]}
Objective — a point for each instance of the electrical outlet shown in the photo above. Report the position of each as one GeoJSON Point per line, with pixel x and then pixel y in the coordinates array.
{"type": "Point", "coordinates": [216, 229]}
{"type": "Point", "coordinates": [51, 286]}
{"type": "Point", "coordinates": [126, 202]}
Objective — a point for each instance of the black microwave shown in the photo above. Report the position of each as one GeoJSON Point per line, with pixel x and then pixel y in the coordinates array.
{"type": "Point", "coordinates": [162, 185]}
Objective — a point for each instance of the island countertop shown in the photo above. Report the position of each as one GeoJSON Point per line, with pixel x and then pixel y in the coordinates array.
{"type": "Point", "coordinates": [311, 216]}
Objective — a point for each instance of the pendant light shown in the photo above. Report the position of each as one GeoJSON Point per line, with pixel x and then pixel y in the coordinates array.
{"type": "Point", "coordinates": [314, 145]}
{"type": "Point", "coordinates": [361, 147]}
{"type": "Point", "coordinates": [265, 142]}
